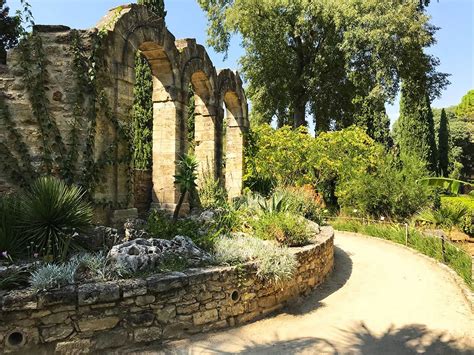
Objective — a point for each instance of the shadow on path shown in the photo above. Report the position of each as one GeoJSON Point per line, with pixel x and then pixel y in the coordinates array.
{"type": "Point", "coordinates": [408, 340]}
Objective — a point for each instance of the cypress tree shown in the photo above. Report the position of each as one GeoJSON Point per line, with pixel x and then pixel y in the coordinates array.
{"type": "Point", "coordinates": [443, 144]}
{"type": "Point", "coordinates": [142, 114]}
{"type": "Point", "coordinates": [373, 117]}
{"type": "Point", "coordinates": [416, 135]}
{"type": "Point", "coordinates": [157, 6]}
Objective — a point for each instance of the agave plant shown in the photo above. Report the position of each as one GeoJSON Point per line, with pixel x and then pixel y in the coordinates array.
{"type": "Point", "coordinates": [51, 212]}
{"type": "Point", "coordinates": [185, 179]}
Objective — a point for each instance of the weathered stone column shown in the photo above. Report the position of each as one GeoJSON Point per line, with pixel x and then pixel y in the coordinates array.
{"type": "Point", "coordinates": [234, 155]}
{"type": "Point", "coordinates": [206, 139]}
{"type": "Point", "coordinates": [166, 150]}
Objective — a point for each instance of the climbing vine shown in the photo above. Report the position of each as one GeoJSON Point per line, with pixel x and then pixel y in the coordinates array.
{"type": "Point", "coordinates": [191, 124]}
{"type": "Point", "coordinates": [20, 170]}
{"type": "Point", "coordinates": [34, 70]}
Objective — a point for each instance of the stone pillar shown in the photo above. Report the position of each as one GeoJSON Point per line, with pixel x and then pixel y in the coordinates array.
{"type": "Point", "coordinates": [234, 156]}
{"type": "Point", "coordinates": [206, 139]}
{"type": "Point", "coordinates": [166, 151]}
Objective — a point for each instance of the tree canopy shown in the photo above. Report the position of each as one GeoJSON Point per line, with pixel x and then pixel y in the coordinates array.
{"type": "Point", "coordinates": [10, 30]}
{"type": "Point", "coordinates": [336, 61]}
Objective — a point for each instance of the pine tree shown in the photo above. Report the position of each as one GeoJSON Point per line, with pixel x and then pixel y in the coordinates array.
{"type": "Point", "coordinates": [157, 6]}
{"type": "Point", "coordinates": [443, 144]}
{"type": "Point", "coordinates": [416, 134]}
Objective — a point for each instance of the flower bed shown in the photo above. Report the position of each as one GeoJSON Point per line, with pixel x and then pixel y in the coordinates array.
{"type": "Point", "coordinates": [98, 316]}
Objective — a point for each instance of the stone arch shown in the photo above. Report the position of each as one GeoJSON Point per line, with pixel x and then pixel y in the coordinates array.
{"type": "Point", "coordinates": [197, 70]}
{"type": "Point", "coordinates": [131, 28]}
{"type": "Point", "coordinates": [231, 96]}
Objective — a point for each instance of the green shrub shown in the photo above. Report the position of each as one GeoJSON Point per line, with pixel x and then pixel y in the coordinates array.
{"type": "Point", "coordinates": [389, 189]}
{"type": "Point", "coordinates": [285, 228]}
{"type": "Point", "coordinates": [303, 201]}
{"type": "Point", "coordinates": [51, 212]}
{"type": "Point", "coordinates": [454, 257]}
{"type": "Point", "coordinates": [212, 194]}
{"type": "Point", "coordinates": [160, 225]}
{"type": "Point", "coordinates": [12, 243]}
{"type": "Point", "coordinates": [274, 263]}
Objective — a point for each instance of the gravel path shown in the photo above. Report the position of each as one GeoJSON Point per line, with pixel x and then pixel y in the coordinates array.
{"type": "Point", "coordinates": [380, 299]}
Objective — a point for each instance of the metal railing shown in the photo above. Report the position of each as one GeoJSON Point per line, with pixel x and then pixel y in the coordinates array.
{"type": "Point", "coordinates": [406, 226]}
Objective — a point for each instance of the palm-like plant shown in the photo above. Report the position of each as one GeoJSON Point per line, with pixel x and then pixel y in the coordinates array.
{"type": "Point", "coordinates": [185, 179]}
{"type": "Point", "coordinates": [51, 212]}
{"type": "Point", "coordinates": [445, 217]}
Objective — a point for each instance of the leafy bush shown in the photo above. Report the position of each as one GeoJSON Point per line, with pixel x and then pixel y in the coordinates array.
{"type": "Point", "coordinates": [456, 258]}
{"type": "Point", "coordinates": [53, 276]}
{"type": "Point", "coordinates": [303, 201]}
{"type": "Point", "coordinates": [12, 244]}
{"type": "Point", "coordinates": [285, 228]}
{"type": "Point", "coordinates": [212, 194]}
{"type": "Point", "coordinates": [160, 225]}
{"type": "Point", "coordinates": [50, 213]}
{"type": "Point", "coordinates": [185, 179]}
{"type": "Point", "coordinates": [275, 263]}
{"type": "Point", "coordinates": [389, 189]}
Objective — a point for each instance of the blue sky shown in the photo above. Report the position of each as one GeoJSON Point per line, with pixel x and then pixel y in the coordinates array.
{"type": "Point", "coordinates": [185, 19]}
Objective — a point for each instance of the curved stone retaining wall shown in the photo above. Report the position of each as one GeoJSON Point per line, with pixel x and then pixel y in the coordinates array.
{"type": "Point", "coordinates": [99, 316]}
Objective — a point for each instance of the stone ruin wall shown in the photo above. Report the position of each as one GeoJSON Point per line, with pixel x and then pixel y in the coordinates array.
{"type": "Point", "coordinates": [175, 65]}
{"type": "Point", "coordinates": [102, 316]}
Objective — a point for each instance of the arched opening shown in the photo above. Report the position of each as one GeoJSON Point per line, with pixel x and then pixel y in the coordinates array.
{"type": "Point", "coordinates": [142, 134]}
{"type": "Point", "coordinates": [205, 139]}
{"type": "Point", "coordinates": [167, 140]}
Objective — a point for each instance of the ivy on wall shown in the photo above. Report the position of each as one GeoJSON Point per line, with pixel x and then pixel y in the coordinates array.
{"type": "Point", "coordinates": [33, 64]}
{"type": "Point", "coordinates": [191, 124]}
{"type": "Point", "coordinates": [19, 169]}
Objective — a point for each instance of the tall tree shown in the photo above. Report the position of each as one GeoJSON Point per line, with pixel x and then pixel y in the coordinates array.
{"type": "Point", "coordinates": [322, 58]}
{"type": "Point", "coordinates": [158, 6]}
{"type": "Point", "coordinates": [142, 114]}
{"type": "Point", "coordinates": [443, 144]}
{"type": "Point", "coordinates": [10, 30]}
{"type": "Point", "coordinates": [416, 135]}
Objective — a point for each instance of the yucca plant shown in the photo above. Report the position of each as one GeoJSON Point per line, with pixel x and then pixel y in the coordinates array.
{"type": "Point", "coordinates": [51, 212]}
{"type": "Point", "coordinates": [185, 179]}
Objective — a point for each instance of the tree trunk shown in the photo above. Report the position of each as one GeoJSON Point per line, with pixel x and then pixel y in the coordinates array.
{"type": "Point", "coordinates": [178, 206]}
{"type": "Point", "coordinates": [299, 115]}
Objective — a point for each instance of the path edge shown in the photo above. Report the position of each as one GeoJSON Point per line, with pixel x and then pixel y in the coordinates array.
{"type": "Point", "coordinates": [461, 284]}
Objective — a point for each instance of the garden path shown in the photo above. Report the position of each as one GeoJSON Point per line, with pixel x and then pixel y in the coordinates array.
{"type": "Point", "coordinates": [380, 299]}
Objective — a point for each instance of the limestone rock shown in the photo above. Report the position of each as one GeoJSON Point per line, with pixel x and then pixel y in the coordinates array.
{"type": "Point", "coordinates": [100, 238]}
{"type": "Point", "coordinates": [148, 254]}
{"type": "Point", "coordinates": [135, 229]}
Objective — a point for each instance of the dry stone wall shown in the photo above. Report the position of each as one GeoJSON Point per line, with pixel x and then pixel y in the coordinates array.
{"type": "Point", "coordinates": [101, 316]}
{"type": "Point", "coordinates": [106, 110]}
